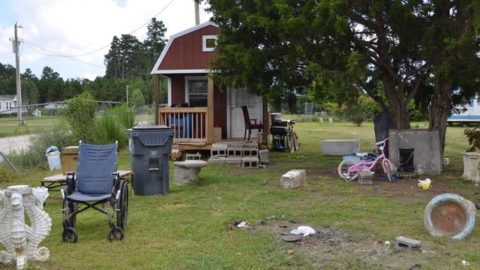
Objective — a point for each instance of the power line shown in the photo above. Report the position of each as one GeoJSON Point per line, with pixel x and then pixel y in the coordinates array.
{"type": "Point", "coordinates": [47, 53]}
{"type": "Point", "coordinates": [102, 47]}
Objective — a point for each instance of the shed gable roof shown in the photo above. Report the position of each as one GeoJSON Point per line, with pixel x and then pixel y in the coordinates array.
{"type": "Point", "coordinates": [183, 53]}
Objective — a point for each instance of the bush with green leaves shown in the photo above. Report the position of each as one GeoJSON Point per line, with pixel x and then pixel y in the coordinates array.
{"type": "Point", "coordinates": [80, 113]}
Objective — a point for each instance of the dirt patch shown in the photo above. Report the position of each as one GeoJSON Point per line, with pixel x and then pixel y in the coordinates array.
{"type": "Point", "coordinates": [335, 249]}
{"type": "Point", "coordinates": [382, 185]}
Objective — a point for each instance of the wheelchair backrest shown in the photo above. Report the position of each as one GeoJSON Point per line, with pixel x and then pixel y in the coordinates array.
{"type": "Point", "coordinates": [95, 166]}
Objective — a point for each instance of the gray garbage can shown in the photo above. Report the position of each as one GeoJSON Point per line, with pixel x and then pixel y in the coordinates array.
{"type": "Point", "coordinates": [150, 147]}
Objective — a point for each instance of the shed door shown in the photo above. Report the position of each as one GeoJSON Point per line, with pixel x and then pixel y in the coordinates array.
{"type": "Point", "coordinates": [238, 98]}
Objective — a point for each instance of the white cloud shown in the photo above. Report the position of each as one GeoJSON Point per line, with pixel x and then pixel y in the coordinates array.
{"type": "Point", "coordinates": [77, 27]}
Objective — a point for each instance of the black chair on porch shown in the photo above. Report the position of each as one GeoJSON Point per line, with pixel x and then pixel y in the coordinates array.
{"type": "Point", "coordinates": [249, 123]}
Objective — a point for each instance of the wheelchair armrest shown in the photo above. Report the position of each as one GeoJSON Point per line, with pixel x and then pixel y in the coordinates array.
{"type": "Point", "coordinates": [71, 183]}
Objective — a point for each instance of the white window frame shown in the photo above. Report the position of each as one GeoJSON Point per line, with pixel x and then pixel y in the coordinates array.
{"type": "Point", "coordinates": [189, 78]}
{"type": "Point", "coordinates": [204, 43]}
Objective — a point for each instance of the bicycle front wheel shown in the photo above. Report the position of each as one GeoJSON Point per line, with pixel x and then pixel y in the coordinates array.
{"type": "Point", "coordinates": [342, 170]}
{"type": "Point", "coordinates": [289, 143]}
{"type": "Point", "coordinates": [295, 144]}
{"type": "Point", "coordinates": [388, 169]}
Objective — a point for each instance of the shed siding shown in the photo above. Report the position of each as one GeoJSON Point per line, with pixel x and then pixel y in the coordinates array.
{"type": "Point", "coordinates": [186, 52]}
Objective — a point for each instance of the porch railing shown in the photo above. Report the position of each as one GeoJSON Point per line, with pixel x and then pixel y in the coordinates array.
{"type": "Point", "coordinates": [190, 125]}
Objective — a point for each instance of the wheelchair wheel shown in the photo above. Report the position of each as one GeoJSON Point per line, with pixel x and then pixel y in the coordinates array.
{"type": "Point", "coordinates": [342, 170]}
{"type": "Point", "coordinates": [116, 233]}
{"type": "Point", "coordinates": [69, 235]}
{"type": "Point", "coordinates": [68, 208]}
{"type": "Point", "coordinates": [122, 213]}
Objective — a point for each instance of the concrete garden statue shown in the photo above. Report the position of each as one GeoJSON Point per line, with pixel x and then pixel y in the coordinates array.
{"type": "Point", "coordinates": [19, 239]}
{"type": "Point", "coordinates": [471, 158]}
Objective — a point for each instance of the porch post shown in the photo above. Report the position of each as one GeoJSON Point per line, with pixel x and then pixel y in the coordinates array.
{"type": "Point", "coordinates": [157, 86]}
{"type": "Point", "coordinates": [210, 111]}
{"type": "Point", "coordinates": [266, 121]}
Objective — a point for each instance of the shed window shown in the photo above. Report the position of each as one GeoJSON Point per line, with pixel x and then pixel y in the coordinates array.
{"type": "Point", "coordinates": [209, 43]}
{"type": "Point", "coordinates": [197, 91]}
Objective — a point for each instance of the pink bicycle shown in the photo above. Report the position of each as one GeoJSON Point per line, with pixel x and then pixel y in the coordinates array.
{"type": "Point", "coordinates": [349, 169]}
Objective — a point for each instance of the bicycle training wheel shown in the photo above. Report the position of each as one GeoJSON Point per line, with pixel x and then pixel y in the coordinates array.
{"type": "Point", "coordinates": [343, 170]}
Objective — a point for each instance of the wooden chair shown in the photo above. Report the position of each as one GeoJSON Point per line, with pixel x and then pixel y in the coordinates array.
{"type": "Point", "coordinates": [250, 123]}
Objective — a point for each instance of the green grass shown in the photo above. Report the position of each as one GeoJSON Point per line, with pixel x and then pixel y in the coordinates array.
{"type": "Point", "coordinates": [187, 229]}
{"type": "Point", "coordinates": [9, 125]}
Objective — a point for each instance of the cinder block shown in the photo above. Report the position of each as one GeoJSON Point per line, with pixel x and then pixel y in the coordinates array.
{"type": "Point", "coordinates": [218, 150]}
{"type": "Point", "coordinates": [365, 178]}
{"type": "Point", "coordinates": [340, 147]}
{"type": "Point", "coordinates": [196, 156]}
{"type": "Point", "coordinates": [216, 161]}
{"type": "Point", "coordinates": [250, 152]}
{"type": "Point", "coordinates": [293, 179]}
{"type": "Point", "coordinates": [233, 160]}
{"type": "Point", "coordinates": [263, 155]}
{"type": "Point", "coordinates": [250, 162]}
{"type": "Point", "coordinates": [235, 151]}
{"type": "Point", "coordinates": [401, 241]}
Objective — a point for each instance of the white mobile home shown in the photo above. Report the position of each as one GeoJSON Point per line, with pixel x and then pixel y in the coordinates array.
{"type": "Point", "coordinates": [7, 103]}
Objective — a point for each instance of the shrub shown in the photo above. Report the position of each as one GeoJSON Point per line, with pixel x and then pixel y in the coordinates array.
{"type": "Point", "coordinates": [80, 113]}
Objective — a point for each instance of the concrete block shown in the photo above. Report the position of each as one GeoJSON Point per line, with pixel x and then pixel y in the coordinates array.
{"type": "Point", "coordinates": [293, 179]}
{"type": "Point", "coordinates": [233, 160]}
{"type": "Point", "coordinates": [365, 178]}
{"type": "Point", "coordinates": [250, 152]}
{"type": "Point", "coordinates": [340, 147]}
{"type": "Point", "coordinates": [216, 161]}
{"type": "Point", "coordinates": [401, 241]}
{"type": "Point", "coordinates": [263, 155]}
{"type": "Point", "coordinates": [426, 145]}
{"type": "Point", "coordinates": [218, 150]}
{"type": "Point", "coordinates": [235, 151]}
{"type": "Point", "coordinates": [196, 156]}
{"type": "Point", "coordinates": [250, 162]}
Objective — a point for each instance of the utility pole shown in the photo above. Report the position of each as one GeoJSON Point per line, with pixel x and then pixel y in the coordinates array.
{"type": "Point", "coordinates": [16, 46]}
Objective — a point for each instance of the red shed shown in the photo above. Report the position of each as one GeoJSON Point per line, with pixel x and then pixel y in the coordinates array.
{"type": "Point", "coordinates": [200, 112]}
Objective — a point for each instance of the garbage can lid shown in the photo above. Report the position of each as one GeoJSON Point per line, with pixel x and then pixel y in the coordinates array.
{"type": "Point", "coordinates": [51, 149]}
{"type": "Point", "coordinates": [150, 127]}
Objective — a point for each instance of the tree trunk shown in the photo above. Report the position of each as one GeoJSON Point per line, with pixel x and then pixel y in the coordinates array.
{"type": "Point", "coordinates": [440, 110]}
{"type": "Point", "coordinates": [398, 105]}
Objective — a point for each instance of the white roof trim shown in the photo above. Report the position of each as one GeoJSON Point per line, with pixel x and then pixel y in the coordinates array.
{"type": "Point", "coordinates": [172, 38]}
{"type": "Point", "coordinates": [180, 71]}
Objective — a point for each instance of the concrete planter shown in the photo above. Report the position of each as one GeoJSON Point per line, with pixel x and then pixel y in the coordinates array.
{"type": "Point", "coordinates": [471, 161]}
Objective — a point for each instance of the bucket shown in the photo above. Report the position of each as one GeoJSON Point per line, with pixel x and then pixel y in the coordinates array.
{"type": "Point", "coordinates": [53, 157]}
{"type": "Point", "coordinates": [352, 157]}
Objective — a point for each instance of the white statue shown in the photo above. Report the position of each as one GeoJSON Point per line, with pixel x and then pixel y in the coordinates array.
{"type": "Point", "coordinates": [21, 240]}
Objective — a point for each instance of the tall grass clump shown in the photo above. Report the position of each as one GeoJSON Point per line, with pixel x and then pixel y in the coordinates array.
{"type": "Point", "coordinates": [108, 129]}
{"type": "Point", "coordinates": [125, 115]}
{"type": "Point", "coordinates": [112, 125]}
{"type": "Point", "coordinates": [34, 156]}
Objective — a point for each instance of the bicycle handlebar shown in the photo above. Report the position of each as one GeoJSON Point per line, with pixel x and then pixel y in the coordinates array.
{"type": "Point", "coordinates": [381, 143]}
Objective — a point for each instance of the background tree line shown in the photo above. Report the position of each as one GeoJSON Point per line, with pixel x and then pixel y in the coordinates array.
{"type": "Point", "coordinates": [128, 62]}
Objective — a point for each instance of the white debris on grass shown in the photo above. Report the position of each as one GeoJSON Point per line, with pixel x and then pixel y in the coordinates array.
{"type": "Point", "coordinates": [303, 230]}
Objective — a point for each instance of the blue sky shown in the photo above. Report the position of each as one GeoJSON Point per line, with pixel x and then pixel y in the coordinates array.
{"type": "Point", "coordinates": [72, 36]}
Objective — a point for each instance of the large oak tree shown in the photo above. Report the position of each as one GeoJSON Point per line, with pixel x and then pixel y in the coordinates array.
{"type": "Point", "coordinates": [394, 50]}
